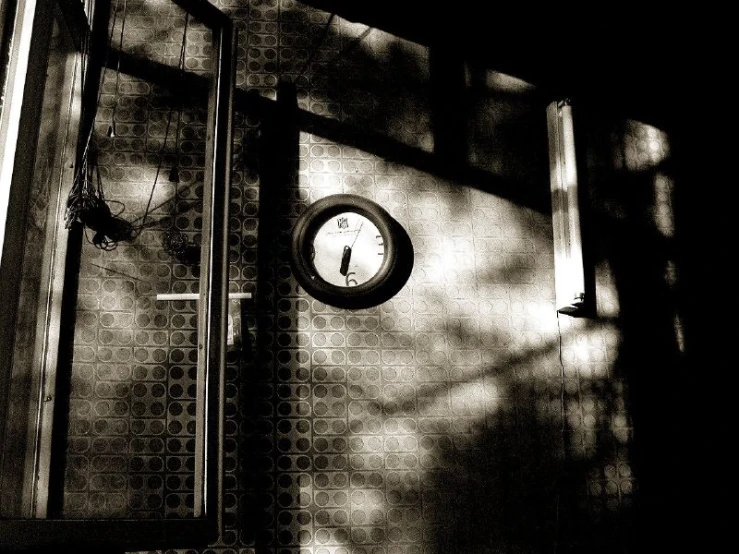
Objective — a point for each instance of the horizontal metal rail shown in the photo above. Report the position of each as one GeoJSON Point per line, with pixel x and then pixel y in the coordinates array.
{"type": "Point", "coordinates": [195, 296]}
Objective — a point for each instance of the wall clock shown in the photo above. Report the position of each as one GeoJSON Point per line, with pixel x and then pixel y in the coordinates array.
{"type": "Point", "coordinates": [349, 252]}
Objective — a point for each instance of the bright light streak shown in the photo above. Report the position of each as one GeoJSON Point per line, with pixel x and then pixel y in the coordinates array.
{"type": "Point", "coordinates": [507, 83]}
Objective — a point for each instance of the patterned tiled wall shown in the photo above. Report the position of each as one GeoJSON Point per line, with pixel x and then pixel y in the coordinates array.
{"type": "Point", "coordinates": [463, 415]}
{"type": "Point", "coordinates": [132, 400]}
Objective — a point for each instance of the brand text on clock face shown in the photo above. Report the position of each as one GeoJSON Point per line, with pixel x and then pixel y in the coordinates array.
{"type": "Point", "coordinates": [348, 250]}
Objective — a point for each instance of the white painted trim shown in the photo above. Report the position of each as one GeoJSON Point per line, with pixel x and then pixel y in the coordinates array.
{"type": "Point", "coordinates": [196, 296]}
{"type": "Point", "coordinates": [20, 37]}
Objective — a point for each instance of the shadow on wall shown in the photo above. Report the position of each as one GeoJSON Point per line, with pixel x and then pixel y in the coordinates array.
{"type": "Point", "coordinates": [513, 481]}
{"type": "Point", "coordinates": [507, 479]}
{"type": "Point", "coordinates": [632, 226]}
{"type": "Point", "coordinates": [412, 107]}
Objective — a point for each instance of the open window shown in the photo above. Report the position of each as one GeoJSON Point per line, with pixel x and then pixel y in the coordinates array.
{"type": "Point", "coordinates": [56, 70]}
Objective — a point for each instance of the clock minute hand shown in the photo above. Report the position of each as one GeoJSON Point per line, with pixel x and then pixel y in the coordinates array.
{"type": "Point", "coordinates": [357, 235]}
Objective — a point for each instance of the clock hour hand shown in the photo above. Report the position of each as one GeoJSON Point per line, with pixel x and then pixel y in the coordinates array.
{"type": "Point", "coordinates": [347, 254]}
{"type": "Point", "coordinates": [345, 257]}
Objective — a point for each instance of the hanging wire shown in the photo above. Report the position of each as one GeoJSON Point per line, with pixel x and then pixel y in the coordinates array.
{"type": "Point", "coordinates": [111, 127]}
{"type": "Point", "coordinates": [102, 73]}
{"type": "Point", "coordinates": [138, 229]}
{"type": "Point", "coordinates": [563, 405]}
{"type": "Point", "coordinates": [87, 201]}
{"type": "Point", "coordinates": [174, 174]}
{"type": "Point", "coordinates": [84, 195]}
{"type": "Point", "coordinates": [565, 441]}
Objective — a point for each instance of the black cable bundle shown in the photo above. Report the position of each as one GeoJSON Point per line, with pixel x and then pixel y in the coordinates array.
{"type": "Point", "coordinates": [87, 204]}
{"type": "Point", "coordinates": [183, 249]}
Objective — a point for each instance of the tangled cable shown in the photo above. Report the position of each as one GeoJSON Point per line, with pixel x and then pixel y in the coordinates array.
{"type": "Point", "coordinates": [86, 202]}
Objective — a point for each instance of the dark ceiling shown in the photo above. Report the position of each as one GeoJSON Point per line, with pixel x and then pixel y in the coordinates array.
{"type": "Point", "coordinates": [632, 66]}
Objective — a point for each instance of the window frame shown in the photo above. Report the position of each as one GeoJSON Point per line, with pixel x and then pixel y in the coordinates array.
{"type": "Point", "coordinates": [36, 529]}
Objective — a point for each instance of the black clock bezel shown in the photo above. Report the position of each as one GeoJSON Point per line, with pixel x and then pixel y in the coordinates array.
{"type": "Point", "coordinates": [389, 279]}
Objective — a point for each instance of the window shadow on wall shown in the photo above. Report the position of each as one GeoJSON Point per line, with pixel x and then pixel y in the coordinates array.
{"type": "Point", "coordinates": [633, 226]}
{"type": "Point", "coordinates": [517, 485]}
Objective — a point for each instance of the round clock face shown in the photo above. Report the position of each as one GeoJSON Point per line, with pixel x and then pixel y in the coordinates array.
{"type": "Point", "coordinates": [347, 251]}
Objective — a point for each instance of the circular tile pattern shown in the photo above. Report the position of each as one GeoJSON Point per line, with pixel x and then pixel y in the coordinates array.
{"type": "Point", "coordinates": [337, 434]}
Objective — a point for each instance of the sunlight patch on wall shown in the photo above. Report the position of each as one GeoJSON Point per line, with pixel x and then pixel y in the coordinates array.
{"type": "Point", "coordinates": [671, 278]}
{"type": "Point", "coordinates": [582, 354]}
{"type": "Point", "coordinates": [469, 398]}
{"type": "Point", "coordinates": [513, 320]}
{"type": "Point", "coordinates": [506, 83]}
{"type": "Point", "coordinates": [352, 30]}
{"type": "Point", "coordinates": [664, 221]}
{"type": "Point", "coordinates": [619, 426]}
{"type": "Point", "coordinates": [679, 334]}
{"type": "Point", "coordinates": [606, 295]}
{"type": "Point", "coordinates": [385, 45]}
{"type": "Point", "coordinates": [141, 191]}
{"type": "Point", "coordinates": [645, 146]}
{"type": "Point", "coordinates": [302, 526]}
{"type": "Point", "coordinates": [663, 214]}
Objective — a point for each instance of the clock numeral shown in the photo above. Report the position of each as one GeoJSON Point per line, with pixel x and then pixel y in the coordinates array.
{"type": "Point", "coordinates": [350, 281]}
{"type": "Point", "coordinates": [342, 222]}
{"type": "Point", "coordinates": [379, 240]}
